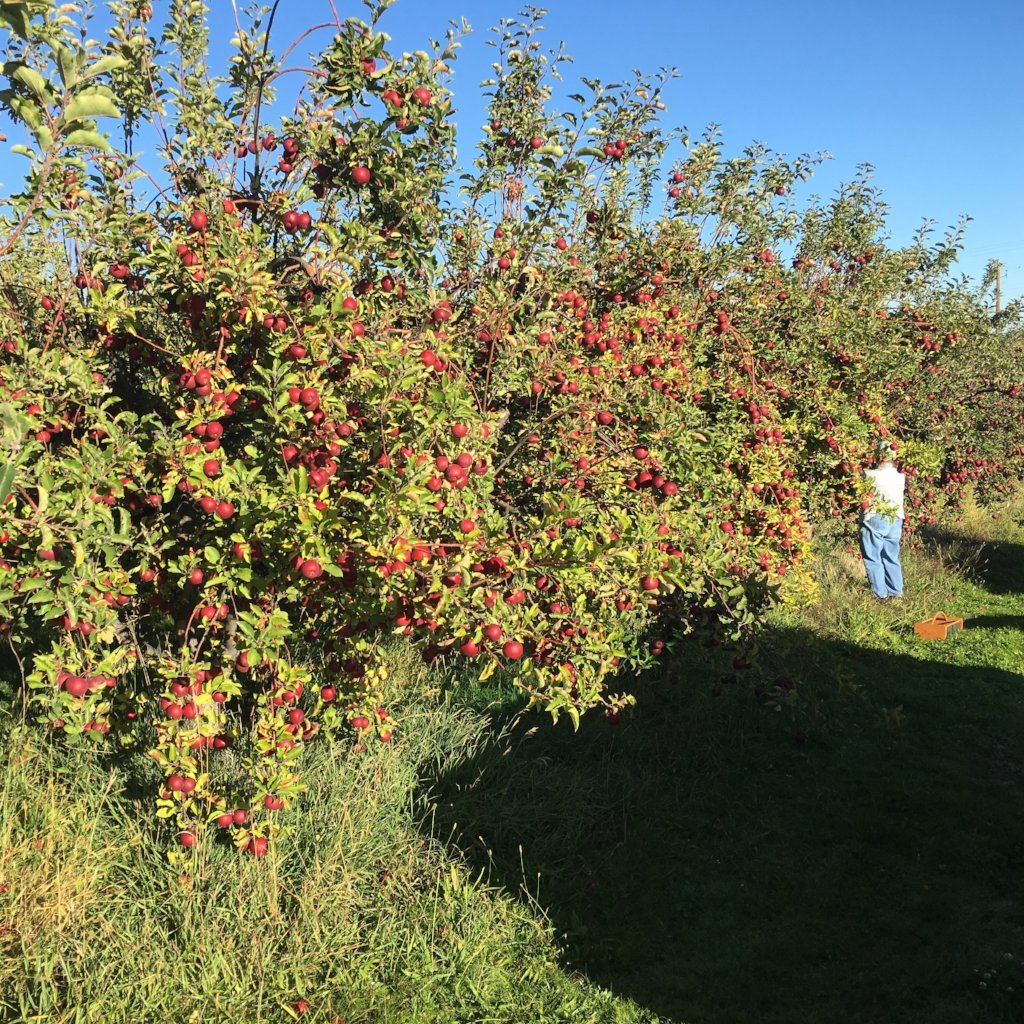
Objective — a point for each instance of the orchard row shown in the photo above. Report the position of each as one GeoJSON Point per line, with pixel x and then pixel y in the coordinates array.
{"type": "Point", "coordinates": [277, 414]}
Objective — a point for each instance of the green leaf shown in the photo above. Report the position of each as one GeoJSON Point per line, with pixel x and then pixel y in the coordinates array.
{"type": "Point", "coordinates": [66, 65]}
{"type": "Point", "coordinates": [111, 62]}
{"type": "Point", "coordinates": [24, 151]}
{"type": "Point", "coordinates": [91, 103]}
{"type": "Point", "coordinates": [6, 480]}
{"type": "Point", "coordinates": [15, 15]}
{"type": "Point", "coordinates": [27, 110]}
{"type": "Point", "coordinates": [32, 80]}
{"type": "Point", "coordinates": [90, 140]}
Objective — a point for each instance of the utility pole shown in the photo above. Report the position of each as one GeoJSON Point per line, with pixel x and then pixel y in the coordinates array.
{"type": "Point", "coordinates": [999, 281]}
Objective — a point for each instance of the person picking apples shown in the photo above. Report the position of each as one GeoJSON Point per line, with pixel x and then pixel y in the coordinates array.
{"type": "Point", "coordinates": [882, 526]}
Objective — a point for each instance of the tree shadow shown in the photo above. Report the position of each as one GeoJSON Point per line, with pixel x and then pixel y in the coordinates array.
{"type": "Point", "coordinates": [999, 565]}
{"type": "Point", "coordinates": [994, 622]}
{"type": "Point", "coordinates": [851, 857]}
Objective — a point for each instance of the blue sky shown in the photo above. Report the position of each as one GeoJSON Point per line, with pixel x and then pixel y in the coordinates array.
{"type": "Point", "coordinates": [929, 92]}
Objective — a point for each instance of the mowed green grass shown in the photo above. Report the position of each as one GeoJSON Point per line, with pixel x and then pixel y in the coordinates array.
{"type": "Point", "coordinates": [855, 855]}
{"type": "Point", "coordinates": [843, 844]}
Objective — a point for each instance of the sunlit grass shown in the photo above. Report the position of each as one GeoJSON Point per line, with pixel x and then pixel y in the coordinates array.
{"type": "Point", "coordinates": [360, 913]}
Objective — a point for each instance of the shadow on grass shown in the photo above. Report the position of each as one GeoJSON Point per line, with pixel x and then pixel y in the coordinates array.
{"type": "Point", "coordinates": [999, 565]}
{"type": "Point", "coordinates": [856, 858]}
{"type": "Point", "coordinates": [994, 622]}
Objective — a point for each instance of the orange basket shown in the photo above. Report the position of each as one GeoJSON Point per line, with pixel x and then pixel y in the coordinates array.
{"type": "Point", "coordinates": [938, 627]}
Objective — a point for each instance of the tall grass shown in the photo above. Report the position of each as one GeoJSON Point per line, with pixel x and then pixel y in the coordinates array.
{"type": "Point", "coordinates": [360, 913]}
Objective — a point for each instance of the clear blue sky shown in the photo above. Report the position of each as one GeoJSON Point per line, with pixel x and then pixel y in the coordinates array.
{"type": "Point", "coordinates": [930, 92]}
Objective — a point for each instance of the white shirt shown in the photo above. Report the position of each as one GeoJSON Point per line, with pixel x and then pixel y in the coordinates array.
{"type": "Point", "coordinates": [889, 485]}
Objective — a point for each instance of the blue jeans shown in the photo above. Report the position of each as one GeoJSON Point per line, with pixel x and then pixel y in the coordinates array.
{"type": "Point", "coordinates": [880, 544]}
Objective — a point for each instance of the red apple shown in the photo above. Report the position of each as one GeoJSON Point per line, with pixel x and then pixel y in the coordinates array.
{"type": "Point", "coordinates": [311, 569]}
{"type": "Point", "coordinates": [76, 686]}
{"type": "Point", "coordinates": [256, 847]}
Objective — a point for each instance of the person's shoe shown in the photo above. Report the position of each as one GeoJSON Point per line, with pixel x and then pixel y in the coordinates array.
{"type": "Point", "coordinates": [878, 599]}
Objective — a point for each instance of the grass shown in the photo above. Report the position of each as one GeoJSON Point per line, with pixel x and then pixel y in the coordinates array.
{"type": "Point", "coordinates": [359, 913]}
{"type": "Point", "coordinates": [843, 845]}
{"type": "Point", "coordinates": [854, 854]}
